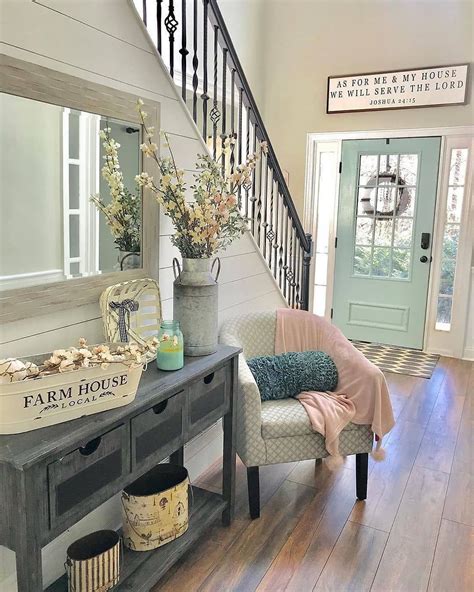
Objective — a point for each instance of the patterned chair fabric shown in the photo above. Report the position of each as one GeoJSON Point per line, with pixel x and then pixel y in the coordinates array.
{"type": "Point", "coordinates": [276, 431]}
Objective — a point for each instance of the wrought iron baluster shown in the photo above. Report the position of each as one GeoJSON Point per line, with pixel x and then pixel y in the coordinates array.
{"type": "Point", "coordinates": [276, 231]}
{"type": "Point", "coordinates": [247, 152]}
{"type": "Point", "coordinates": [224, 106]}
{"type": "Point", "coordinates": [285, 262]}
{"type": "Point", "coordinates": [291, 266]}
{"type": "Point", "coordinates": [195, 60]}
{"type": "Point", "coordinates": [215, 113]}
{"type": "Point", "coordinates": [205, 96]}
{"type": "Point", "coordinates": [232, 120]}
{"type": "Point", "coordinates": [158, 24]}
{"type": "Point", "coordinates": [239, 154]}
{"type": "Point", "coordinates": [265, 208]}
{"type": "Point", "coordinates": [270, 230]}
{"type": "Point", "coordinates": [253, 199]}
{"type": "Point", "coordinates": [183, 51]}
{"type": "Point", "coordinates": [171, 25]}
{"type": "Point", "coordinates": [259, 200]}
{"type": "Point", "coordinates": [298, 275]}
{"type": "Point", "coordinates": [281, 241]}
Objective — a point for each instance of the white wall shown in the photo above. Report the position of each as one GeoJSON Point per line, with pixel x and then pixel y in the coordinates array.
{"type": "Point", "coordinates": [100, 41]}
{"type": "Point", "coordinates": [305, 41]}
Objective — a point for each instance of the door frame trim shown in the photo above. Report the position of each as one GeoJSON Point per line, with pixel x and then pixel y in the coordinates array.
{"type": "Point", "coordinates": [313, 144]}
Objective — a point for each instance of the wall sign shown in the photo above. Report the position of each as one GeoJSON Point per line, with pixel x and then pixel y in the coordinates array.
{"type": "Point", "coordinates": [398, 89]}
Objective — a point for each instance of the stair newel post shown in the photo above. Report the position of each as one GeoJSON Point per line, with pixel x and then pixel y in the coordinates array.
{"type": "Point", "coordinates": [205, 96]}
{"type": "Point", "coordinates": [307, 255]}
{"type": "Point", "coordinates": [171, 25]}
{"type": "Point", "coordinates": [224, 106]}
{"type": "Point", "coordinates": [183, 51]}
{"type": "Point", "coordinates": [158, 24]}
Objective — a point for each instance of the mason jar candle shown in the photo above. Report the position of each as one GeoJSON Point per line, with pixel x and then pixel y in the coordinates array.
{"type": "Point", "coordinates": [171, 352]}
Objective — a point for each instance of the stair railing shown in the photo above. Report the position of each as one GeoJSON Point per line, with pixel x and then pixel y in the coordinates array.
{"type": "Point", "coordinates": [217, 93]}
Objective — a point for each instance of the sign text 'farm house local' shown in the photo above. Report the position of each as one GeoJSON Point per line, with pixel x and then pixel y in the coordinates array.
{"type": "Point", "coordinates": [421, 87]}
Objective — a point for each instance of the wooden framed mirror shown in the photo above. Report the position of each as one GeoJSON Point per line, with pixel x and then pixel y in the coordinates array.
{"type": "Point", "coordinates": [57, 249]}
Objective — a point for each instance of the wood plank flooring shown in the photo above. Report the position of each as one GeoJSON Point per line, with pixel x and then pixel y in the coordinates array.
{"type": "Point", "coordinates": [414, 533]}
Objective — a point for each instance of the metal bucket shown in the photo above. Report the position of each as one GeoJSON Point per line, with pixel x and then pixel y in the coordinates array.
{"type": "Point", "coordinates": [155, 508]}
{"type": "Point", "coordinates": [93, 562]}
{"type": "Point", "coordinates": [195, 301]}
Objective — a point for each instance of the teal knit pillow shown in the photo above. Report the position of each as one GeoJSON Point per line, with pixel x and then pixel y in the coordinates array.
{"type": "Point", "coordinates": [287, 375]}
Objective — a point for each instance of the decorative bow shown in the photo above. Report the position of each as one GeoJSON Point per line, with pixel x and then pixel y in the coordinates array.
{"type": "Point", "coordinates": [123, 309]}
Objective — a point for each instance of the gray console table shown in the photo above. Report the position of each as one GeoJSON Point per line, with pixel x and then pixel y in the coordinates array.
{"type": "Point", "coordinates": [52, 477]}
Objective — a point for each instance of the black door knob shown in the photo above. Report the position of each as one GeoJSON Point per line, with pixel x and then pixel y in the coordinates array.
{"type": "Point", "coordinates": [424, 259]}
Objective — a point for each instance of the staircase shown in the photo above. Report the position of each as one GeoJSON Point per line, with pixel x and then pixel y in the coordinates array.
{"type": "Point", "coordinates": [195, 45]}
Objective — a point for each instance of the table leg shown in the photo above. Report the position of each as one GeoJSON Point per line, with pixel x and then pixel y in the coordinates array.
{"type": "Point", "coordinates": [230, 456]}
{"type": "Point", "coordinates": [28, 567]}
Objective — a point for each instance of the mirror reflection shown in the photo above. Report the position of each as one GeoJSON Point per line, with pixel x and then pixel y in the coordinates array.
{"type": "Point", "coordinates": [65, 211]}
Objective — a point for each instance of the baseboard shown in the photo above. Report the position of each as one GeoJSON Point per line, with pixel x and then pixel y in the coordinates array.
{"type": "Point", "coordinates": [468, 354]}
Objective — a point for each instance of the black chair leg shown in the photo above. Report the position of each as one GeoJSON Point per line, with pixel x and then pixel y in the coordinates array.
{"type": "Point", "coordinates": [362, 466]}
{"type": "Point", "coordinates": [253, 484]}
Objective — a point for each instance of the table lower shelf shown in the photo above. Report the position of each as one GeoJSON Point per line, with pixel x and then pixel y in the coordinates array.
{"type": "Point", "coordinates": [142, 569]}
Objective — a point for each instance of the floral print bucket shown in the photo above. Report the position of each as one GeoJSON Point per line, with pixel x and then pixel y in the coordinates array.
{"type": "Point", "coordinates": [155, 508]}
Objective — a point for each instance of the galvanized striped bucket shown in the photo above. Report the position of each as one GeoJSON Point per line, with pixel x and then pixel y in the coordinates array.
{"type": "Point", "coordinates": [93, 562]}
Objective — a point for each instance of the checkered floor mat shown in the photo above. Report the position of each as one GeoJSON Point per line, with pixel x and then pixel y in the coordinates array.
{"type": "Point", "coordinates": [399, 359]}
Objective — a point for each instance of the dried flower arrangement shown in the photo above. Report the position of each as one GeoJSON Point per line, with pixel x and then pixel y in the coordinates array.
{"type": "Point", "coordinates": [212, 219]}
{"type": "Point", "coordinates": [76, 358]}
{"type": "Point", "coordinates": [123, 213]}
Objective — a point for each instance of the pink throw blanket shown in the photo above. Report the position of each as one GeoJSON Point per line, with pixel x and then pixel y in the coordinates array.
{"type": "Point", "coordinates": [362, 394]}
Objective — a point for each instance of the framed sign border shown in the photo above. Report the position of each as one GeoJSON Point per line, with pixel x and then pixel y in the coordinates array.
{"type": "Point", "coordinates": [465, 102]}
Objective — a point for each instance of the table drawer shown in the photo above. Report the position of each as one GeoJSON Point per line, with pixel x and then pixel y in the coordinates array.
{"type": "Point", "coordinates": [86, 476]}
{"type": "Point", "coordinates": [208, 400]}
{"type": "Point", "coordinates": [159, 431]}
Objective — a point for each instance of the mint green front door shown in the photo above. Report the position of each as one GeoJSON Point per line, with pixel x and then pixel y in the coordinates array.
{"type": "Point", "coordinates": [384, 238]}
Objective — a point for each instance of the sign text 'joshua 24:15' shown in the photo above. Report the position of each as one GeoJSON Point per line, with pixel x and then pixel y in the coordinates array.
{"type": "Point", "coordinates": [398, 89]}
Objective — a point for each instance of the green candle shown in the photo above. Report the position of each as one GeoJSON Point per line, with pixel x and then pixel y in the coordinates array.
{"type": "Point", "coordinates": [171, 352]}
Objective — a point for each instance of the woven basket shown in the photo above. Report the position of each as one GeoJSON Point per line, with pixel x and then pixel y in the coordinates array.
{"type": "Point", "coordinates": [131, 312]}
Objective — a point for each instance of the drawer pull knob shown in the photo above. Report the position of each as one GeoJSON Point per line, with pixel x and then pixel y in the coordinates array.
{"type": "Point", "coordinates": [157, 409]}
{"type": "Point", "coordinates": [209, 378]}
{"type": "Point", "coordinates": [90, 447]}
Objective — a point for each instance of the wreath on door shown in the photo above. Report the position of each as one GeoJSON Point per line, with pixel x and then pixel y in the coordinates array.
{"type": "Point", "coordinates": [402, 197]}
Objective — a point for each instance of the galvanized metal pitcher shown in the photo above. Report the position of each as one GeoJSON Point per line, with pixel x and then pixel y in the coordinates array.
{"type": "Point", "coordinates": [195, 304]}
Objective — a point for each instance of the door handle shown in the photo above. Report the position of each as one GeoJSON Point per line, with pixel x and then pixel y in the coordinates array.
{"type": "Point", "coordinates": [425, 240]}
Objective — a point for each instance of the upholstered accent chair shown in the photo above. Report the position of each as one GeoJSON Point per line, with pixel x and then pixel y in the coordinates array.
{"type": "Point", "coordinates": [271, 432]}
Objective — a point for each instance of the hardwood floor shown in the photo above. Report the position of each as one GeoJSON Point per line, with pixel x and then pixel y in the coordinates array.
{"type": "Point", "coordinates": [414, 533]}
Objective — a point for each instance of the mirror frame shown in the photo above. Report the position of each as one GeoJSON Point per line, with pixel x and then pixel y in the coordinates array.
{"type": "Point", "coordinates": [25, 79]}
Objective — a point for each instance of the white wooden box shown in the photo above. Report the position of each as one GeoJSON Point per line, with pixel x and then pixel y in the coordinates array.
{"type": "Point", "coordinates": [47, 400]}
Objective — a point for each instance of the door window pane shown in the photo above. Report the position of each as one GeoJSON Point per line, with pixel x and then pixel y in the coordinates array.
{"type": "Point", "coordinates": [401, 259]}
{"type": "Point", "coordinates": [368, 168]}
{"type": "Point", "coordinates": [443, 317]}
{"type": "Point", "coordinates": [403, 233]}
{"type": "Point", "coordinates": [454, 204]}
{"type": "Point", "coordinates": [362, 260]}
{"type": "Point", "coordinates": [383, 233]}
{"type": "Point", "coordinates": [385, 210]}
{"type": "Point", "coordinates": [364, 231]}
{"type": "Point", "coordinates": [408, 169]}
{"type": "Point", "coordinates": [381, 262]}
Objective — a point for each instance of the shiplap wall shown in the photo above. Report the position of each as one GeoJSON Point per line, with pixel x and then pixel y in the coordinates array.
{"type": "Point", "coordinates": [102, 41]}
